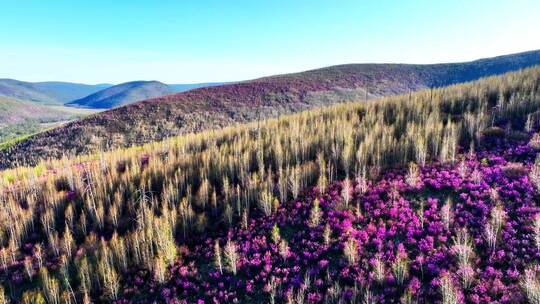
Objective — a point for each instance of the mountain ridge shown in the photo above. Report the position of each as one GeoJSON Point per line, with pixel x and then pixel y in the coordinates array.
{"type": "Point", "coordinates": [47, 92]}
{"type": "Point", "coordinates": [134, 91]}
{"type": "Point", "coordinates": [68, 91]}
{"type": "Point", "coordinates": [123, 94]}
{"type": "Point", "coordinates": [62, 92]}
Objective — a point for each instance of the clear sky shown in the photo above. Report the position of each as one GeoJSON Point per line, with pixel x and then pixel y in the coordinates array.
{"type": "Point", "coordinates": [115, 41]}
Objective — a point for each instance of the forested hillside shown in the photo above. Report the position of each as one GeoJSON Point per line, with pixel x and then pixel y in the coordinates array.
{"type": "Point", "coordinates": [424, 197]}
{"type": "Point", "coordinates": [220, 106]}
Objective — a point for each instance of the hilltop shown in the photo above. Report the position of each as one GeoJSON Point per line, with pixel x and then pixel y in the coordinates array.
{"type": "Point", "coordinates": [64, 92]}
{"type": "Point", "coordinates": [219, 106]}
{"type": "Point", "coordinates": [123, 94]}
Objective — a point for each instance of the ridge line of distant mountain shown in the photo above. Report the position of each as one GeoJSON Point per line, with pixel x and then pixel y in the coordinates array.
{"type": "Point", "coordinates": [63, 93]}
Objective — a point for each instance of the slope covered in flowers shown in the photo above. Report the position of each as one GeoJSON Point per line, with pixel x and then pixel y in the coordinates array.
{"type": "Point", "coordinates": [140, 225]}
{"type": "Point", "coordinates": [398, 240]}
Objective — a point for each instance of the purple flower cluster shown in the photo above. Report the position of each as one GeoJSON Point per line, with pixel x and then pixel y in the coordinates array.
{"type": "Point", "coordinates": [407, 242]}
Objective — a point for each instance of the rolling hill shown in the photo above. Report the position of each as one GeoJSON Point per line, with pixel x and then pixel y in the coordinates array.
{"type": "Point", "coordinates": [21, 117]}
{"type": "Point", "coordinates": [123, 94]}
{"type": "Point", "coordinates": [131, 92]}
{"type": "Point", "coordinates": [65, 92]}
{"type": "Point", "coordinates": [47, 92]}
{"type": "Point", "coordinates": [366, 202]}
{"type": "Point", "coordinates": [215, 107]}
{"type": "Point", "coordinates": [25, 91]}
{"type": "Point", "coordinates": [58, 92]}
{"type": "Point", "coordinates": [13, 111]}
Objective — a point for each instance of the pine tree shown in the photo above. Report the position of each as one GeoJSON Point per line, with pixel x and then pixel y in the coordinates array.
{"type": "Point", "coordinates": [231, 256]}
{"type": "Point", "coordinates": [217, 257]}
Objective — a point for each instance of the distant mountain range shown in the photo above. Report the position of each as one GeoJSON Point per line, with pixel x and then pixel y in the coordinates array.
{"type": "Point", "coordinates": [31, 107]}
{"type": "Point", "coordinates": [47, 92]}
{"type": "Point", "coordinates": [123, 94]}
{"type": "Point", "coordinates": [99, 96]}
{"type": "Point", "coordinates": [130, 92]}
{"type": "Point", "coordinates": [64, 92]}
{"type": "Point", "coordinates": [218, 106]}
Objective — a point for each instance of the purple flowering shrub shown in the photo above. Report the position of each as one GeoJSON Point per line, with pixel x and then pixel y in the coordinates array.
{"type": "Point", "coordinates": [461, 233]}
{"type": "Point", "coordinates": [400, 213]}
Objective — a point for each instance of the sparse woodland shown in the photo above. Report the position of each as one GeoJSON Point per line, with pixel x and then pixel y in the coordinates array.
{"type": "Point", "coordinates": [181, 221]}
{"type": "Point", "coordinates": [222, 106]}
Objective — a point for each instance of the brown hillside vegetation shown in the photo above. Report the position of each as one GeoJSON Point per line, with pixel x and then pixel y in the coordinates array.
{"type": "Point", "coordinates": [216, 107]}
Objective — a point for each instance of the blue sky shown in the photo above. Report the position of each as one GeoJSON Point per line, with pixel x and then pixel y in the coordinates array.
{"type": "Point", "coordinates": [197, 41]}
